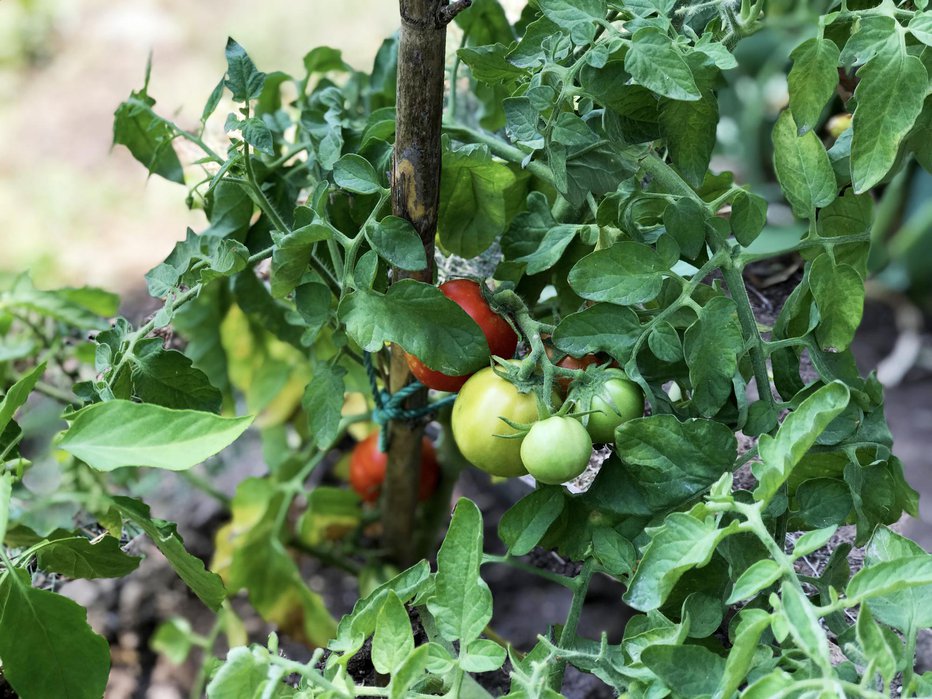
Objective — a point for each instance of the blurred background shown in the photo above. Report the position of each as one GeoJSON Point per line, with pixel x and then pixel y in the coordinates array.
{"type": "Point", "coordinates": [80, 213]}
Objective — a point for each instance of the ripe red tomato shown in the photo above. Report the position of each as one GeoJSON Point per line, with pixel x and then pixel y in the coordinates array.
{"type": "Point", "coordinates": [502, 340]}
{"type": "Point", "coordinates": [368, 464]}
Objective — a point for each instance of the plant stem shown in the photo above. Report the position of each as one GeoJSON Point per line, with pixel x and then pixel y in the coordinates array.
{"type": "Point", "coordinates": [911, 635]}
{"type": "Point", "coordinates": [498, 147]}
{"type": "Point", "coordinates": [197, 688]}
{"type": "Point", "coordinates": [581, 587]}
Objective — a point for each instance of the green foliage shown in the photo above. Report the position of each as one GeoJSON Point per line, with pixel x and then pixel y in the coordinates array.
{"type": "Point", "coordinates": [578, 143]}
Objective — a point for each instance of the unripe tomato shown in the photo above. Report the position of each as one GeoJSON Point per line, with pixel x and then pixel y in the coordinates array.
{"type": "Point", "coordinates": [502, 340]}
{"type": "Point", "coordinates": [475, 421]}
{"type": "Point", "coordinates": [368, 465]}
{"type": "Point", "coordinates": [618, 400]}
{"type": "Point", "coordinates": [556, 450]}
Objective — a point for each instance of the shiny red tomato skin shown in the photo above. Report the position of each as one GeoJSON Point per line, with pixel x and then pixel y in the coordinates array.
{"type": "Point", "coordinates": [368, 465]}
{"type": "Point", "coordinates": [501, 338]}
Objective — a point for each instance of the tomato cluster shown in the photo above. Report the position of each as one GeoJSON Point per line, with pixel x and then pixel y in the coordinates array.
{"type": "Point", "coordinates": [501, 338]}
{"type": "Point", "coordinates": [556, 449]}
{"type": "Point", "coordinates": [368, 465]}
{"type": "Point", "coordinates": [553, 450]}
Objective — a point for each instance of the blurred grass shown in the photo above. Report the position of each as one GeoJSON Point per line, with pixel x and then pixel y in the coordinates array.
{"type": "Point", "coordinates": [77, 213]}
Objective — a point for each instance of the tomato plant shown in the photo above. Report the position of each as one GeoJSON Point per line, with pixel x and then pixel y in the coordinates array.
{"type": "Point", "coordinates": [502, 340]}
{"type": "Point", "coordinates": [367, 468]}
{"type": "Point", "coordinates": [572, 163]}
{"type": "Point", "coordinates": [556, 450]}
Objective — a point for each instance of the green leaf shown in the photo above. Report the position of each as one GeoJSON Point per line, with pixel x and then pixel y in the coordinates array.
{"type": "Point", "coordinates": [312, 301]}
{"type": "Point", "coordinates": [920, 26]}
{"type": "Point", "coordinates": [522, 120]}
{"type": "Point", "coordinates": [489, 65]}
{"type": "Point", "coordinates": [874, 645]}
{"type": "Point", "coordinates": [483, 655]}
{"type": "Point", "coordinates": [626, 274]}
{"type": "Point", "coordinates": [780, 454]}
{"type": "Point", "coordinates": [685, 220]}
{"type": "Point", "coordinates": [245, 674]}
{"type": "Point", "coordinates": [664, 341]}
{"type": "Point", "coordinates": [324, 59]}
{"type": "Point", "coordinates": [323, 403]}
{"type": "Point", "coordinates": [397, 242]}
{"type": "Point", "coordinates": [874, 34]}
{"type": "Point", "coordinates": [748, 217]}
{"type": "Point", "coordinates": [292, 251]}
{"type": "Point", "coordinates": [257, 134]}
{"type": "Point", "coordinates": [812, 80]}
{"type": "Point", "coordinates": [568, 13]}
{"type": "Point", "coordinates": [551, 249]}
{"type": "Point", "coordinates": [603, 327]}
{"type": "Point", "coordinates": [804, 624]}
{"type": "Point", "coordinates": [613, 551]}
{"type": "Point", "coordinates": [713, 345]}
{"type": "Point", "coordinates": [122, 433]}
{"type": "Point", "coordinates": [890, 577]}
{"type": "Point", "coordinates": [689, 129]}
{"type": "Point", "coordinates": [803, 167]}
{"type": "Point", "coordinates": [839, 295]}
{"type": "Point", "coordinates": [524, 524]}
{"type": "Point", "coordinates": [673, 461]}
{"type": "Point", "coordinates": [408, 673]}
{"type": "Point", "coordinates": [681, 543]}
{"type": "Point", "coordinates": [422, 320]}
{"type": "Point", "coordinates": [472, 209]}
{"type": "Point", "coordinates": [46, 645]}
{"type": "Point", "coordinates": [813, 541]}
{"type": "Point", "coordinates": [206, 585]}
{"type": "Point", "coordinates": [355, 174]}
{"type": "Point", "coordinates": [691, 671]}
{"type": "Point", "coordinates": [173, 639]}
{"type": "Point", "coordinates": [167, 378]}
{"type": "Point", "coordinates": [486, 23]}
{"type": "Point", "coordinates": [393, 639]}
{"type": "Point", "coordinates": [243, 80]}
{"type": "Point", "coordinates": [759, 576]}
{"type": "Point", "coordinates": [890, 93]}
{"type": "Point", "coordinates": [76, 557]}
{"type": "Point", "coordinates": [19, 392]}
{"type": "Point", "coordinates": [70, 306]}
{"type": "Point", "coordinates": [355, 627]}
{"type": "Point", "coordinates": [147, 136]}
{"type": "Point", "coordinates": [461, 603]}
{"type": "Point", "coordinates": [229, 210]}
{"type": "Point", "coordinates": [907, 608]}
{"type": "Point", "coordinates": [655, 62]}
{"type": "Point", "coordinates": [752, 623]}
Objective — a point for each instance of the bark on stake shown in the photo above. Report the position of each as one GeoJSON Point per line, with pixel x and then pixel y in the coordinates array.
{"type": "Point", "coordinates": [415, 196]}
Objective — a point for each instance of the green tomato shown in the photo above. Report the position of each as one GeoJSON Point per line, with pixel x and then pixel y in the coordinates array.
{"type": "Point", "coordinates": [619, 399]}
{"type": "Point", "coordinates": [556, 450]}
{"type": "Point", "coordinates": [475, 422]}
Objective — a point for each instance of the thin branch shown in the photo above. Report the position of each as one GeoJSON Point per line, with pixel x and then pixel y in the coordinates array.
{"type": "Point", "coordinates": [446, 13]}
